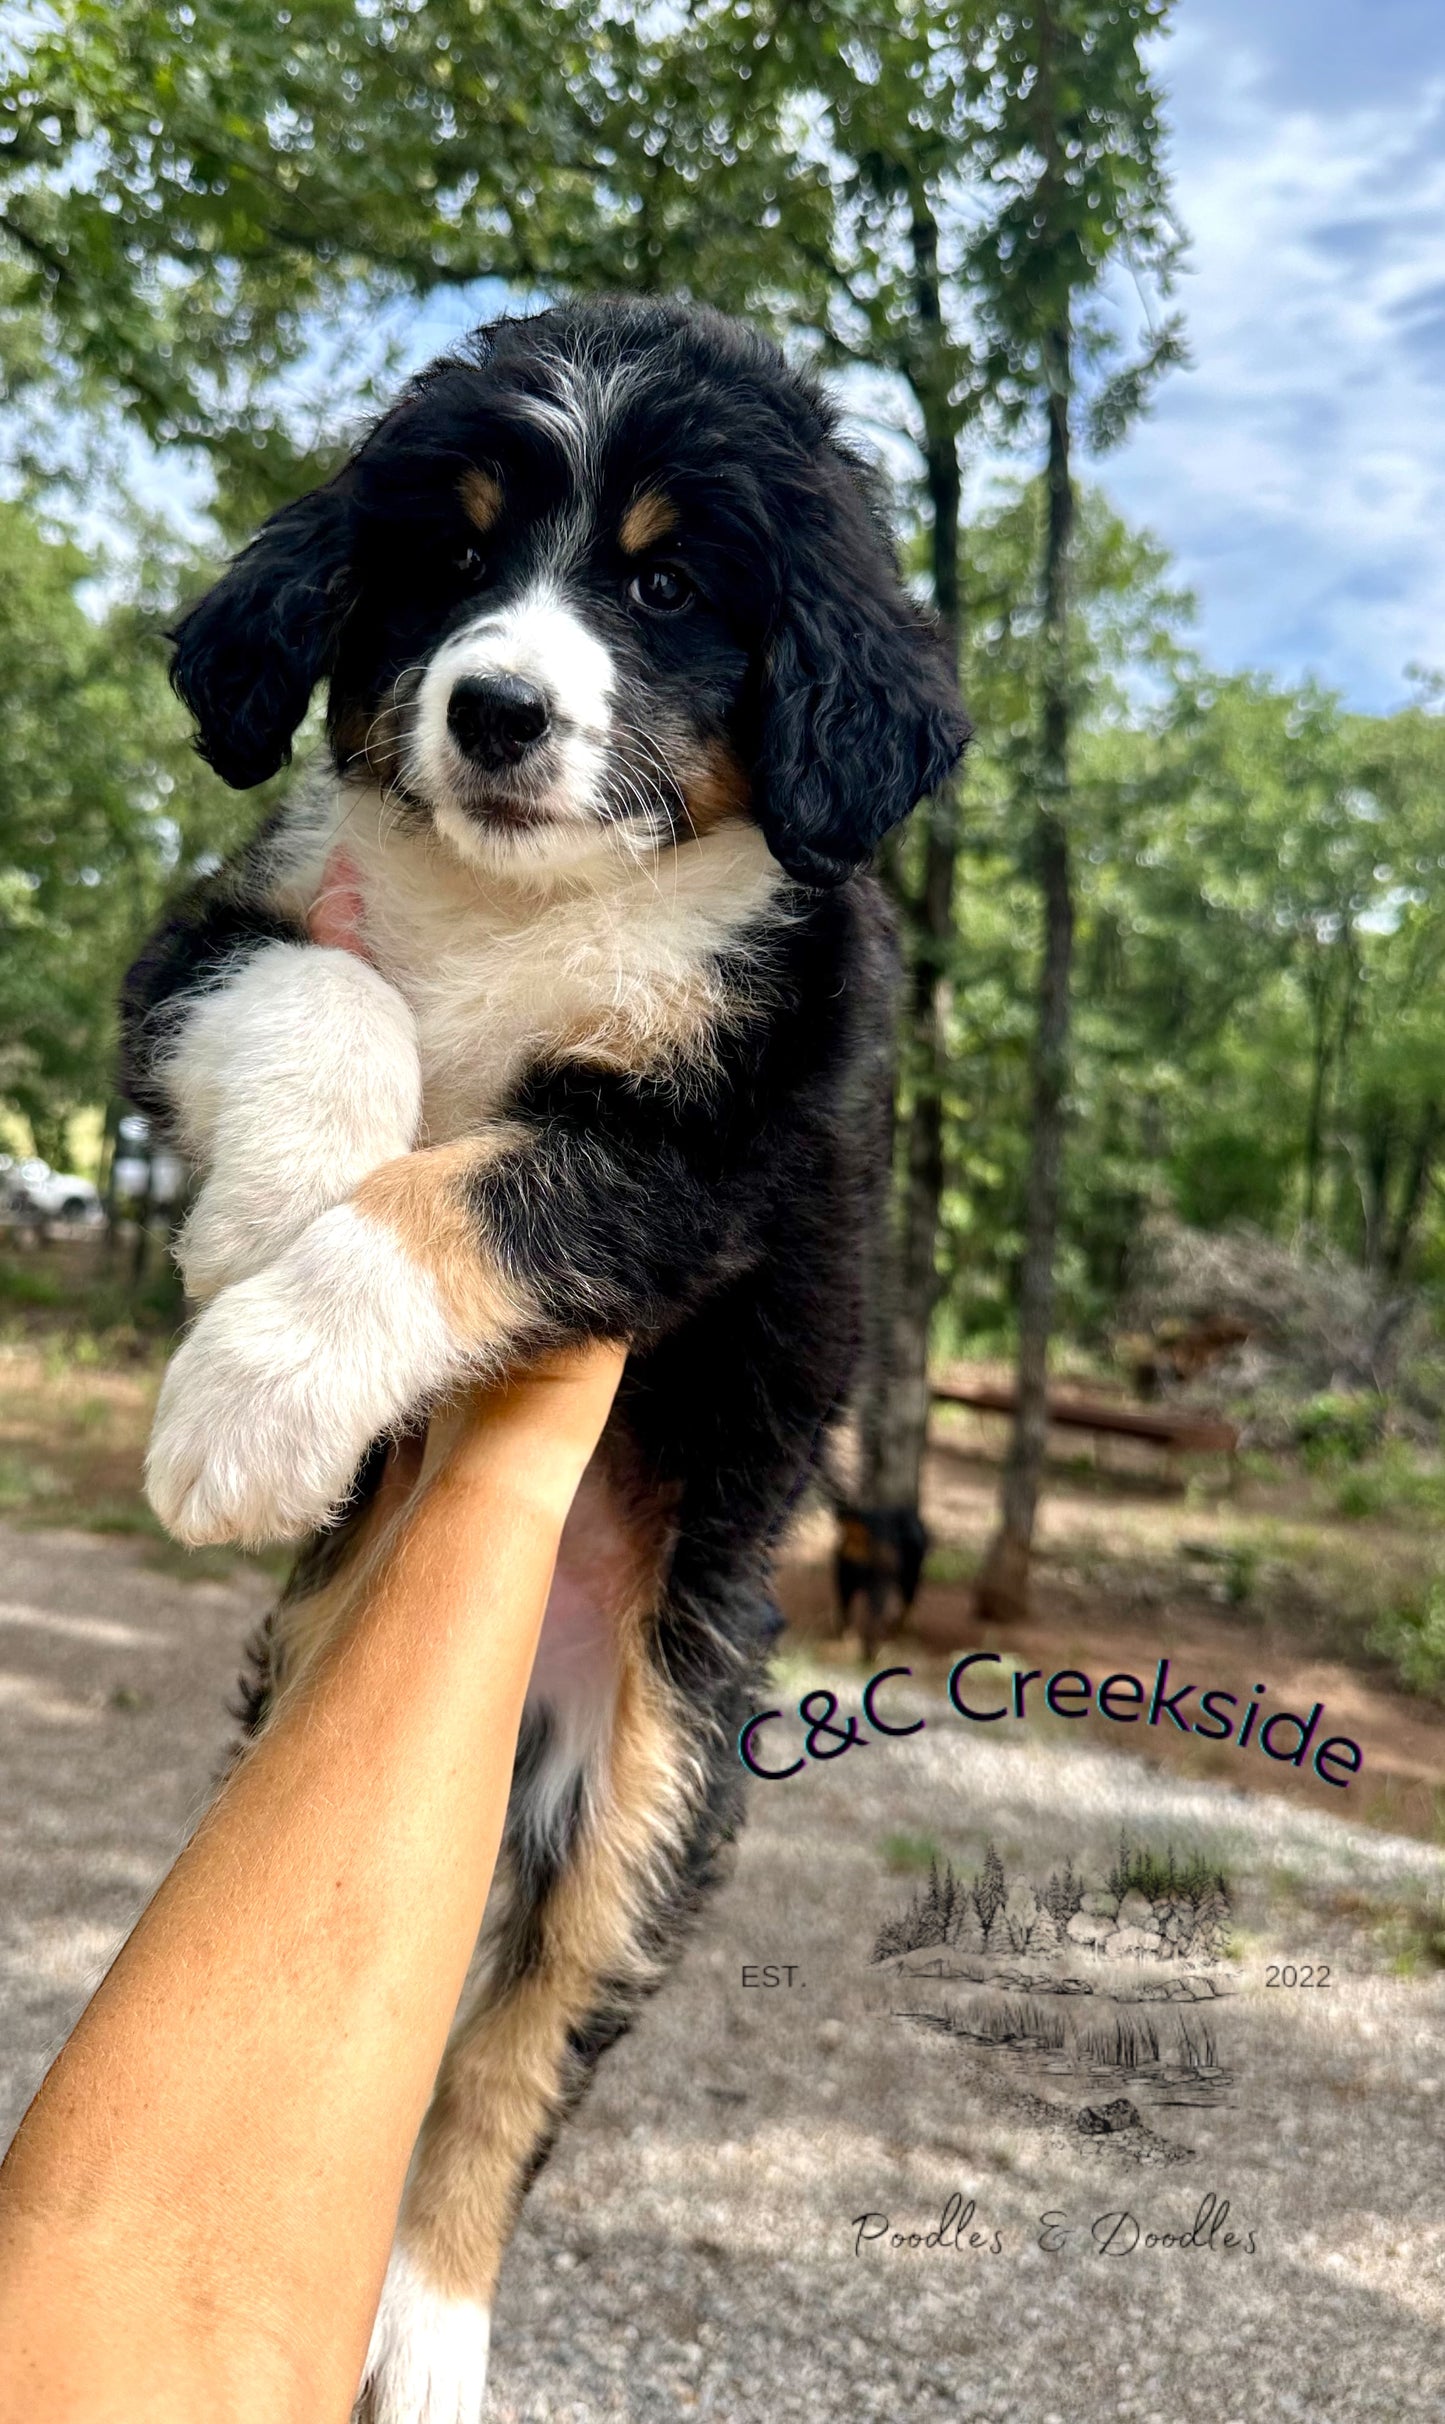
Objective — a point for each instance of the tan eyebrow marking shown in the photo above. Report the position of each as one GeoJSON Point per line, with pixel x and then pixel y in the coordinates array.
{"type": "Point", "coordinates": [647, 518]}
{"type": "Point", "coordinates": [481, 495]}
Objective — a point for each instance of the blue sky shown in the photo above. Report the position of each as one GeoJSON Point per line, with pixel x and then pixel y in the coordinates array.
{"type": "Point", "coordinates": [1297, 472]}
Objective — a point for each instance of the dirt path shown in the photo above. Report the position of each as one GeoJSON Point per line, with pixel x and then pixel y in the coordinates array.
{"type": "Point", "coordinates": [691, 2249]}
{"type": "Point", "coordinates": [113, 1687]}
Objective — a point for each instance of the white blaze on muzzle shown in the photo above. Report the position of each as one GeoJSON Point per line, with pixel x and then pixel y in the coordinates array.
{"type": "Point", "coordinates": [542, 641]}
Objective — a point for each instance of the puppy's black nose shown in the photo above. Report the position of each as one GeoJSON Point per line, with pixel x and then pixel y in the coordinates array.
{"type": "Point", "coordinates": [495, 718]}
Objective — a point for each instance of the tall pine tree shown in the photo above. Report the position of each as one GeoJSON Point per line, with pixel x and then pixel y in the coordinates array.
{"type": "Point", "coordinates": [1075, 147]}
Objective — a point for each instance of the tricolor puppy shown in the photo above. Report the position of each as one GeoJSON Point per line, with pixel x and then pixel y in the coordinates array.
{"type": "Point", "coordinates": [622, 691]}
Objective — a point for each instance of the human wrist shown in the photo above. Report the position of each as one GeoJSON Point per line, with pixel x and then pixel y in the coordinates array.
{"type": "Point", "coordinates": [532, 1436]}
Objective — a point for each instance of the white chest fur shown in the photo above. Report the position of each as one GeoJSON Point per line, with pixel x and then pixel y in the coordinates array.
{"type": "Point", "coordinates": [619, 968]}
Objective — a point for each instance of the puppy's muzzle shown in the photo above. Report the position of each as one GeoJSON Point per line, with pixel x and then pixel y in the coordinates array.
{"type": "Point", "coordinates": [495, 719]}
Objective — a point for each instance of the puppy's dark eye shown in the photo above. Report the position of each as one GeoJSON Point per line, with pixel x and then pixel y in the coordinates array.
{"type": "Point", "coordinates": [472, 565]}
{"type": "Point", "coordinates": [662, 589]}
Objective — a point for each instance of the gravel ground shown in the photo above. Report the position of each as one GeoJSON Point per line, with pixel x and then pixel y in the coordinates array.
{"type": "Point", "coordinates": [691, 2249]}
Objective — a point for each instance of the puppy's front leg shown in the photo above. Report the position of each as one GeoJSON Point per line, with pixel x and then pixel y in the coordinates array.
{"type": "Point", "coordinates": [380, 1306]}
{"type": "Point", "coordinates": [568, 1222]}
{"type": "Point", "coordinates": [290, 1083]}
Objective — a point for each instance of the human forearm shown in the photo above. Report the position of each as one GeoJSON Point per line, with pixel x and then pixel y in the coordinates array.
{"type": "Point", "coordinates": [218, 2155]}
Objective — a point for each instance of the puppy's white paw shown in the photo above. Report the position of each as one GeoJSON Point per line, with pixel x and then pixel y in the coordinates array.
{"type": "Point", "coordinates": [427, 2363]}
{"type": "Point", "coordinates": [288, 1377]}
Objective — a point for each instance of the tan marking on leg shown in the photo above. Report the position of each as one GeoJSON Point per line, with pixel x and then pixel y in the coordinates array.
{"type": "Point", "coordinates": [481, 497]}
{"type": "Point", "coordinates": [508, 2071]}
{"type": "Point", "coordinates": [421, 1199]}
{"type": "Point", "coordinates": [647, 519]}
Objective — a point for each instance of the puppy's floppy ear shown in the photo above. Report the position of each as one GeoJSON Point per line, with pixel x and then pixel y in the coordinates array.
{"type": "Point", "coordinates": [250, 653]}
{"type": "Point", "coordinates": [860, 717]}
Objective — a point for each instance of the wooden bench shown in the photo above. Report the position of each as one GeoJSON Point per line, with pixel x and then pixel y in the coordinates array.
{"type": "Point", "coordinates": [1186, 1430]}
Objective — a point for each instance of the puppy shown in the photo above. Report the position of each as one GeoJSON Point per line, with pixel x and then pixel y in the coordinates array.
{"type": "Point", "coordinates": [622, 691]}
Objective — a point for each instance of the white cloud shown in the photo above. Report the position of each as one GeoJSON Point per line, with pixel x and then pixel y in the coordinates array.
{"type": "Point", "coordinates": [1297, 471]}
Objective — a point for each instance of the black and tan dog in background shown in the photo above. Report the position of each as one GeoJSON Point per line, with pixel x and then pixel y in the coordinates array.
{"type": "Point", "coordinates": [623, 689]}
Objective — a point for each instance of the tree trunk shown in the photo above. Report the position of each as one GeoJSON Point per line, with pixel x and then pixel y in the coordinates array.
{"type": "Point", "coordinates": [109, 1154]}
{"type": "Point", "coordinates": [1329, 1046]}
{"type": "Point", "coordinates": [1003, 1584]}
{"type": "Point", "coordinates": [893, 1412]}
{"type": "Point", "coordinates": [1413, 1192]}
{"type": "Point", "coordinates": [1315, 1114]}
{"type": "Point", "coordinates": [1375, 1192]}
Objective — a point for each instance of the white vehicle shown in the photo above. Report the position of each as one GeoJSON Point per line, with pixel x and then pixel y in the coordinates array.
{"type": "Point", "coordinates": [31, 1190]}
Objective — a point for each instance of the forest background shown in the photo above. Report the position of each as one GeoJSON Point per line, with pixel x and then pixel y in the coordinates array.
{"type": "Point", "coordinates": [1175, 942]}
